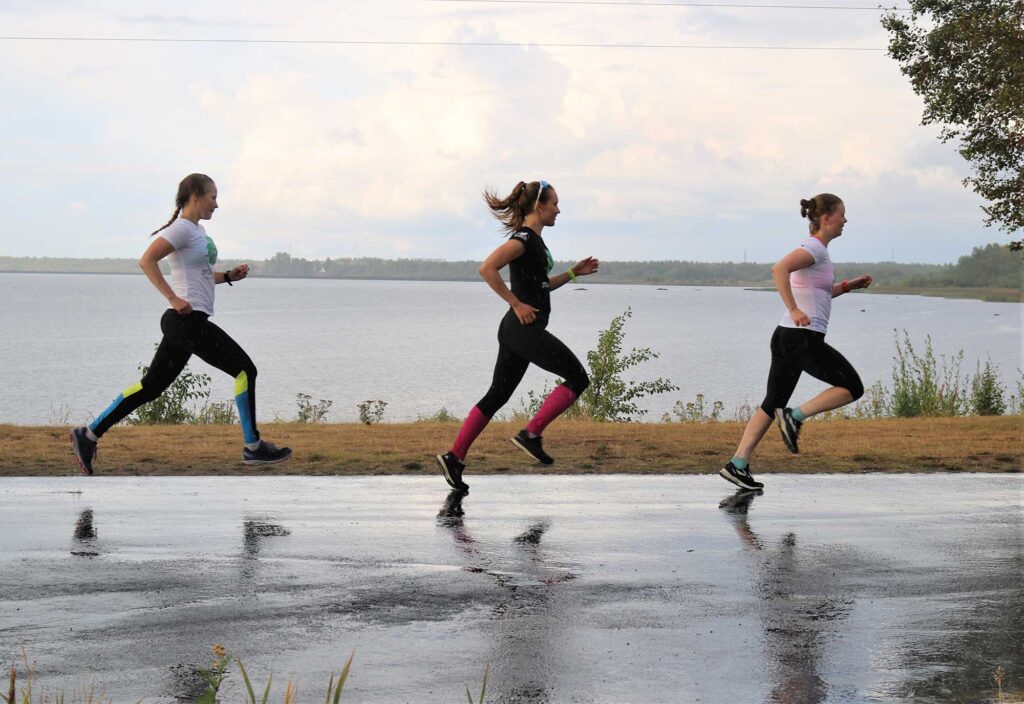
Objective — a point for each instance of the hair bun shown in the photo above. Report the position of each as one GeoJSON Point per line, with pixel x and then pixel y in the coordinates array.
{"type": "Point", "coordinates": [806, 208]}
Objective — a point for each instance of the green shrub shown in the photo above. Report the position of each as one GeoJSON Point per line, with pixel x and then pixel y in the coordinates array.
{"type": "Point", "coordinates": [443, 415]}
{"type": "Point", "coordinates": [215, 413]}
{"type": "Point", "coordinates": [696, 411]}
{"type": "Point", "coordinates": [987, 394]}
{"type": "Point", "coordinates": [371, 412]}
{"type": "Point", "coordinates": [920, 386]}
{"type": "Point", "coordinates": [1016, 404]}
{"type": "Point", "coordinates": [173, 406]}
{"type": "Point", "coordinates": [609, 397]}
{"type": "Point", "coordinates": [309, 412]}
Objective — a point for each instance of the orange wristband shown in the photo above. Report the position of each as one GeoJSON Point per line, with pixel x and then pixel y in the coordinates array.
{"type": "Point", "coordinates": [845, 286]}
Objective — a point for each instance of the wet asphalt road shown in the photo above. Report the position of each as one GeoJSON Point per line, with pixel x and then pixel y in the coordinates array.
{"type": "Point", "coordinates": [573, 589]}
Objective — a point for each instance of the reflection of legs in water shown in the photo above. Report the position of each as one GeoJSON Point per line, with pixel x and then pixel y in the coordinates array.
{"type": "Point", "coordinates": [450, 516]}
{"type": "Point", "coordinates": [795, 608]}
{"type": "Point", "coordinates": [84, 529]}
{"type": "Point", "coordinates": [85, 535]}
{"type": "Point", "coordinates": [253, 532]}
{"type": "Point", "coordinates": [526, 620]}
{"type": "Point", "coordinates": [533, 534]}
{"type": "Point", "coordinates": [736, 507]}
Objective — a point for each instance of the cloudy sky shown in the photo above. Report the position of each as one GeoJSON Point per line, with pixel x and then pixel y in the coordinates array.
{"type": "Point", "coordinates": [323, 147]}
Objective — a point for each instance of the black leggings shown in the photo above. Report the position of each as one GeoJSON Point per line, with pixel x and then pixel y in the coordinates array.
{"type": "Point", "coordinates": [521, 345]}
{"type": "Point", "coordinates": [185, 335]}
{"type": "Point", "coordinates": [795, 351]}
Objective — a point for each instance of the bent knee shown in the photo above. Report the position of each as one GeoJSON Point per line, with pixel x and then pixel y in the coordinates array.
{"type": "Point", "coordinates": [493, 401]}
{"type": "Point", "coordinates": [856, 389]}
{"type": "Point", "coordinates": [578, 383]}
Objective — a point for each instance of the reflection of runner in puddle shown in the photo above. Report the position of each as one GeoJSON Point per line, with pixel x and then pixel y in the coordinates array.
{"type": "Point", "coordinates": [253, 533]}
{"type": "Point", "coordinates": [529, 615]}
{"type": "Point", "coordinates": [796, 604]}
{"type": "Point", "coordinates": [85, 536]}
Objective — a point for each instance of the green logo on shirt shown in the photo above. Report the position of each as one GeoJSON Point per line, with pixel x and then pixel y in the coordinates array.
{"type": "Point", "coordinates": [551, 262]}
{"type": "Point", "coordinates": [211, 251]}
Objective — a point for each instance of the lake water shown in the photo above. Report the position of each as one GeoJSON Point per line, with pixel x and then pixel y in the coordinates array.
{"type": "Point", "coordinates": [70, 343]}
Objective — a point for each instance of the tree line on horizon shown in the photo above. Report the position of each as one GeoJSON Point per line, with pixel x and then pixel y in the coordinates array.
{"type": "Point", "coordinates": [990, 266]}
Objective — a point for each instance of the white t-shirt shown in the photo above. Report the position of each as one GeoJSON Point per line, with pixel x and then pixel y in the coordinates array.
{"type": "Point", "coordinates": [812, 287]}
{"type": "Point", "coordinates": [191, 263]}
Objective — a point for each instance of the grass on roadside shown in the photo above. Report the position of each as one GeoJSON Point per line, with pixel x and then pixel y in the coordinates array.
{"type": "Point", "coordinates": [960, 444]}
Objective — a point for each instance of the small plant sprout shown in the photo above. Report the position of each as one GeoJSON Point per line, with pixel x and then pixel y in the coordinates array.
{"type": "Point", "coordinates": [483, 687]}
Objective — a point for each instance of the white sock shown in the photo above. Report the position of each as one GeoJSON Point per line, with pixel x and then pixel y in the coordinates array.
{"type": "Point", "coordinates": [252, 445]}
{"type": "Point", "coordinates": [91, 435]}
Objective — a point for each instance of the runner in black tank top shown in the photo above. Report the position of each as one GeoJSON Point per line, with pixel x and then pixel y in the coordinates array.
{"type": "Point", "coordinates": [523, 338]}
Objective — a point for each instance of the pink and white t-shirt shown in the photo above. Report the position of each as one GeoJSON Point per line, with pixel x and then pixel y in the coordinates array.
{"type": "Point", "coordinates": [812, 287]}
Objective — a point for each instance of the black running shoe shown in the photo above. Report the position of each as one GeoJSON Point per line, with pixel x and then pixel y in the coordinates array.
{"type": "Point", "coordinates": [452, 470]}
{"type": "Point", "coordinates": [266, 453]}
{"type": "Point", "coordinates": [532, 446]}
{"type": "Point", "coordinates": [84, 448]}
{"type": "Point", "coordinates": [740, 477]}
{"type": "Point", "coordinates": [790, 428]}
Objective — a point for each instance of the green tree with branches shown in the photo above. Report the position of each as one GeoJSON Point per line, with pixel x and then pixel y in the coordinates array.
{"type": "Point", "coordinates": [965, 58]}
{"type": "Point", "coordinates": [610, 397]}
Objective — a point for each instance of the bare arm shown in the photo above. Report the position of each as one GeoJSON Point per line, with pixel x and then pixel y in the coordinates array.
{"type": "Point", "coordinates": [490, 271]}
{"type": "Point", "coordinates": [581, 268]}
{"type": "Point", "coordinates": [798, 259]}
{"type": "Point", "coordinates": [150, 265]}
{"type": "Point", "coordinates": [862, 281]}
{"type": "Point", "coordinates": [229, 277]}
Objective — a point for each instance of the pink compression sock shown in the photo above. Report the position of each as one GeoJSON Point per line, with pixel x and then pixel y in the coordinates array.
{"type": "Point", "coordinates": [474, 424]}
{"type": "Point", "coordinates": [554, 405]}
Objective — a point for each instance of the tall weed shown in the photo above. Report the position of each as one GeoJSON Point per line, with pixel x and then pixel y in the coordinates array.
{"type": "Point", "coordinates": [921, 387]}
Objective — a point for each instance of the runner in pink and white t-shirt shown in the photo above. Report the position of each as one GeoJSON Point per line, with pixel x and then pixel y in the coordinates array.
{"type": "Point", "coordinates": [806, 282]}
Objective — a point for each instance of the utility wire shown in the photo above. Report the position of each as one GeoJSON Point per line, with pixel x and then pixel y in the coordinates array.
{"type": "Point", "coordinates": [375, 42]}
{"type": "Point", "coordinates": [652, 3]}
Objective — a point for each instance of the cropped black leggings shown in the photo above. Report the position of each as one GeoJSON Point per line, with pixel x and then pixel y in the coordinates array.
{"type": "Point", "coordinates": [519, 346]}
{"type": "Point", "coordinates": [795, 351]}
{"type": "Point", "coordinates": [185, 335]}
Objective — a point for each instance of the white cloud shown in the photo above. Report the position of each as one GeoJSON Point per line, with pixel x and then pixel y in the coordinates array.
{"type": "Point", "coordinates": [332, 149]}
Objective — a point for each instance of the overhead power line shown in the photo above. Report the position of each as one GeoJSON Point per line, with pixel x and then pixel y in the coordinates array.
{"type": "Point", "coordinates": [381, 42]}
{"type": "Point", "coordinates": [665, 3]}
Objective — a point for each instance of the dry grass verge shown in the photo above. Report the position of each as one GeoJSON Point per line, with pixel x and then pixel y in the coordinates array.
{"type": "Point", "coordinates": [971, 444]}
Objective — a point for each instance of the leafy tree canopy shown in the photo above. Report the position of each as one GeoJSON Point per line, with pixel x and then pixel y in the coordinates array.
{"type": "Point", "coordinates": [965, 58]}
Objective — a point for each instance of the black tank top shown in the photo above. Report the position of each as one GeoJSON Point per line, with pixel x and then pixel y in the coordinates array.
{"type": "Point", "coordinates": [529, 272]}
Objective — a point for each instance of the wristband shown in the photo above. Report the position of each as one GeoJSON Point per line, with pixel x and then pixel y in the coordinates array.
{"type": "Point", "coordinates": [845, 286]}
{"type": "Point", "coordinates": [571, 273]}
{"type": "Point", "coordinates": [227, 279]}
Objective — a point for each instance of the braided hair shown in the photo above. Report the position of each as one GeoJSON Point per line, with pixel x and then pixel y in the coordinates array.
{"type": "Point", "coordinates": [191, 185]}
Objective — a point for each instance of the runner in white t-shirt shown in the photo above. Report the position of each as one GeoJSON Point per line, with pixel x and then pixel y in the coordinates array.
{"type": "Point", "coordinates": [186, 326]}
{"type": "Point", "coordinates": [806, 283]}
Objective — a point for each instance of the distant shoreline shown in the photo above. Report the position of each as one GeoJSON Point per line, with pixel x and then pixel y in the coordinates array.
{"type": "Point", "coordinates": [992, 295]}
